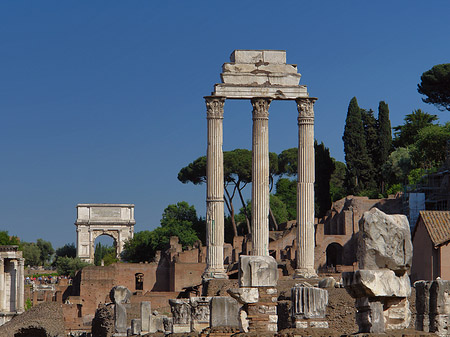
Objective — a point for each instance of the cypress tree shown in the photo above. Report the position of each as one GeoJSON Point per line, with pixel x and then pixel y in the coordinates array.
{"type": "Point", "coordinates": [359, 167]}
{"type": "Point", "coordinates": [370, 126]}
{"type": "Point", "coordinates": [324, 169]}
{"type": "Point", "coordinates": [384, 138]}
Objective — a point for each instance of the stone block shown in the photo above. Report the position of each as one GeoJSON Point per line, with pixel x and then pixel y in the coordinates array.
{"type": "Point", "coordinates": [422, 297]}
{"type": "Point", "coordinates": [181, 311]}
{"type": "Point", "coordinates": [272, 327]}
{"type": "Point", "coordinates": [440, 324]}
{"type": "Point", "coordinates": [308, 302]}
{"type": "Point", "coordinates": [384, 241]}
{"type": "Point", "coordinates": [397, 314]}
{"type": "Point", "coordinates": [157, 323]}
{"type": "Point", "coordinates": [246, 56]}
{"type": "Point", "coordinates": [120, 294]}
{"type": "Point", "coordinates": [318, 324]}
{"type": "Point", "coordinates": [274, 56]}
{"type": "Point", "coordinates": [369, 315]}
{"type": "Point", "coordinates": [181, 328]}
{"type": "Point", "coordinates": [224, 312]}
{"type": "Point", "coordinates": [261, 78]}
{"type": "Point", "coordinates": [168, 323]}
{"type": "Point", "coordinates": [146, 312]}
{"type": "Point", "coordinates": [200, 313]}
{"type": "Point", "coordinates": [423, 322]}
{"type": "Point", "coordinates": [440, 297]}
{"type": "Point", "coordinates": [273, 318]}
{"type": "Point", "coordinates": [136, 326]}
{"type": "Point", "coordinates": [245, 295]}
{"type": "Point", "coordinates": [257, 271]}
{"type": "Point", "coordinates": [327, 282]}
{"type": "Point", "coordinates": [375, 283]}
{"type": "Point", "coordinates": [299, 324]}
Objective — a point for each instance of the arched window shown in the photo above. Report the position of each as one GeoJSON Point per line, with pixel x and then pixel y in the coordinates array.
{"type": "Point", "coordinates": [139, 284]}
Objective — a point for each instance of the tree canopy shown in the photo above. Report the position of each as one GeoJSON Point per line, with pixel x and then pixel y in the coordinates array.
{"type": "Point", "coordinates": [6, 239]}
{"type": "Point", "coordinates": [435, 84]}
{"type": "Point", "coordinates": [405, 134]}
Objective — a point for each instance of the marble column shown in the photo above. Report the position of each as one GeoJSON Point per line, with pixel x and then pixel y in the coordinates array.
{"type": "Point", "coordinates": [214, 190]}
{"type": "Point", "coordinates": [260, 177]}
{"type": "Point", "coordinates": [305, 189]}
{"type": "Point", "coordinates": [14, 289]}
{"type": "Point", "coordinates": [2, 285]}
{"type": "Point", "coordinates": [20, 286]}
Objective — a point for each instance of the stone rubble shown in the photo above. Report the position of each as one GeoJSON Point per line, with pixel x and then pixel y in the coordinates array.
{"type": "Point", "coordinates": [381, 287]}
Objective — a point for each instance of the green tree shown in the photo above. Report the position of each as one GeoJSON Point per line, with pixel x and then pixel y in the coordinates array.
{"type": "Point", "coordinates": [287, 192]}
{"type": "Point", "coordinates": [384, 139]}
{"type": "Point", "coordinates": [324, 169]}
{"type": "Point", "coordinates": [101, 251]}
{"type": "Point", "coordinates": [337, 181]}
{"type": "Point", "coordinates": [5, 239]}
{"type": "Point", "coordinates": [69, 265]}
{"type": "Point", "coordinates": [237, 175]}
{"type": "Point", "coordinates": [359, 165]}
{"type": "Point", "coordinates": [68, 250]}
{"type": "Point", "coordinates": [435, 84]}
{"type": "Point", "coordinates": [405, 135]}
{"type": "Point", "coordinates": [177, 220]}
{"type": "Point", "coordinates": [429, 150]}
{"type": "Point", "coordinates": [396, 169]}
{"type": "Point", "coordinates": [31, 254]}
{"type": "Point", "coordinates": [46, 249]}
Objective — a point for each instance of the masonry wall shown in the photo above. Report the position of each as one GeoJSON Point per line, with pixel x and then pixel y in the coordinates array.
{"type": "Point", "coordinates": [422, 264]}
{"type": "Point", "coordinates": [445, 261]}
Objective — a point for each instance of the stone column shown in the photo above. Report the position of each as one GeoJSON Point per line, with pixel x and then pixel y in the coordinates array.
{"type": "Point", "coordinates": [260, 177]}
{"type": "Point", "coordinates": [2, 285]}
{"type": "Point", "coordinates": [14, 289]}
{"type": "Point", "coordinates": [214, 190]}
{"type": "Point", "coordinates": [20, 286]}
{"type": "Point", "coordinates": [305, 189]}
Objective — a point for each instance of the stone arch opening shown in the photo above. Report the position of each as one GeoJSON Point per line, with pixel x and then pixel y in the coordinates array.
{"type": "Point", "coordinates": [101, 244]}
{"type": "Point", "coordinates": [139, 281]}
{"type": "Point", "coordinates": [31, 332]}
{"type": "Point", "coordinates": [334, 254]}
{"type": "Point", "coordinates": [93, 220]}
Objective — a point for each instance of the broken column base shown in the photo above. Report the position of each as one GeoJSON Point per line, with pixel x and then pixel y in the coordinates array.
{"type": "Point", "coordinates": [377, 314]}
{"type": "Point", "coordinates": [309, 307]}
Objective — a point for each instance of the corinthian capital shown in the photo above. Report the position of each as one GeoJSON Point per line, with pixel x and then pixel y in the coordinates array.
{"type": "Point", "coordinates": [261, 108]}
{"type": "Point", "coordinates": [305, 107]}
{"type": "Point", "coordinates": [214, 106]}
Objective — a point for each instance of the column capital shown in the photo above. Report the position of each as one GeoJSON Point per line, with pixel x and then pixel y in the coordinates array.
{"type": "Point", "coordinates": [214, 106]}
{"type": "Point", "coordinates": [305, 107]}
{"type": "Point", "coordinates": [260, 107]}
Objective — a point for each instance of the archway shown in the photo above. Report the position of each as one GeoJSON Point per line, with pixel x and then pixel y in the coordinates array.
{"type": "Point", "coordinates": [93, 220]}
{"type": "Point", "coordinates": [334, 254]}
{"type": "Point", "coordinates": [105, 248]}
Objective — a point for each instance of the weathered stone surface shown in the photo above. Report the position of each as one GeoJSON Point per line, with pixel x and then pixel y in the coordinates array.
{"type": "Point", "coordinates": [308, 302]}
{"type": "Point", "coordinates": [440, 297]}
{"type": "Point", "coordinates": [181, 311]}
{"type": "Point", "coordinates": [422, 297]}
{"type": "Point", "coordinates": [224, 312]}
{"type": "Point", "coordinates": [373, 283]}
{"type": "Point", "coordinates": [259, 56]}
{"type": "Point", "coordinates": [146, 312]}
{"type": "Point", "coordinates": [257, 271]}
{"type": "Point", "coordinates": [384, 242]}
{"type": "Point", "coordinates": [168, 324]}
{"type": "Point", "coordinates": [157, 323]}
{"type": "Point", "coordinates": [245, 295]}
{"type": "Point", "coordinates": [136, 327]}
{"type": "Point", "coordinates": [440, 324]}
{"type": "Point", "coordinates": [120, 295]}
{"type": "Point", "coordinates": [200, 313]}
{"type": "Point", "coordinates": [370, 316]}
{"type": "Point", "coordinates": [397, 314]}
{"type": "Point", "coordinates": [327, 282]}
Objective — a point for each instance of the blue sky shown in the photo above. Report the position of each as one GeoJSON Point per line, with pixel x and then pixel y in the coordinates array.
{"type": "Point", "coordinates": [102, 101]}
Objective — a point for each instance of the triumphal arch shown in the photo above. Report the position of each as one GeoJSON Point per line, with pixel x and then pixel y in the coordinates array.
{"type": "Point", "coordinates": [259, 76]}
{"type": "Point", "coordinates": [93, 220]}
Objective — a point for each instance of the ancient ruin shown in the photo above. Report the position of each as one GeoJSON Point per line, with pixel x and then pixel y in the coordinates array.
{"type": "Point", "coordinates": [261, 76]}
{"type": "Point", "coordinates": [93, 220]}
{"type": "Point", "coordinates": [381, 287]}
{"type": "Point", "coordinates": [11, 283]}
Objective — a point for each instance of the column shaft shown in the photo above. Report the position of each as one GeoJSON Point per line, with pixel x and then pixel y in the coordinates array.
{"type": "Point", "coordinates": [214, 190]}
{"type": "Point", "coordinates": [20, 287]}
{"type": "Point", "coordinates": [260, 177]}
{"type": "Point", "coordinates": [2, 285]}
{"type": "Point", "coordinates": [305, 189]}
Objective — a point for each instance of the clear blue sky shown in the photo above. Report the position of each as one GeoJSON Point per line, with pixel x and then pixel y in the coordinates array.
{"type": "Point", "coordinates": [102, 101]}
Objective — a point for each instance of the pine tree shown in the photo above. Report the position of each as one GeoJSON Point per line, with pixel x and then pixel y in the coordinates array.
{"type": "Point", "coordinates": [359, 166]}
{"type": "Point", "coordinates": [384, 139]}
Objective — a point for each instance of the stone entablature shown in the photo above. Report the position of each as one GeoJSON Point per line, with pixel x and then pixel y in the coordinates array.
{"type": "Point", "coordinates": [93, 220]}
{"type": "Point", "coordinates": [11, 283]}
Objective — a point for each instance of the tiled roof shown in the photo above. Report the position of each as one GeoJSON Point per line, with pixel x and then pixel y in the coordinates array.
{"type": "Point", "coordinates": [437, 224]}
